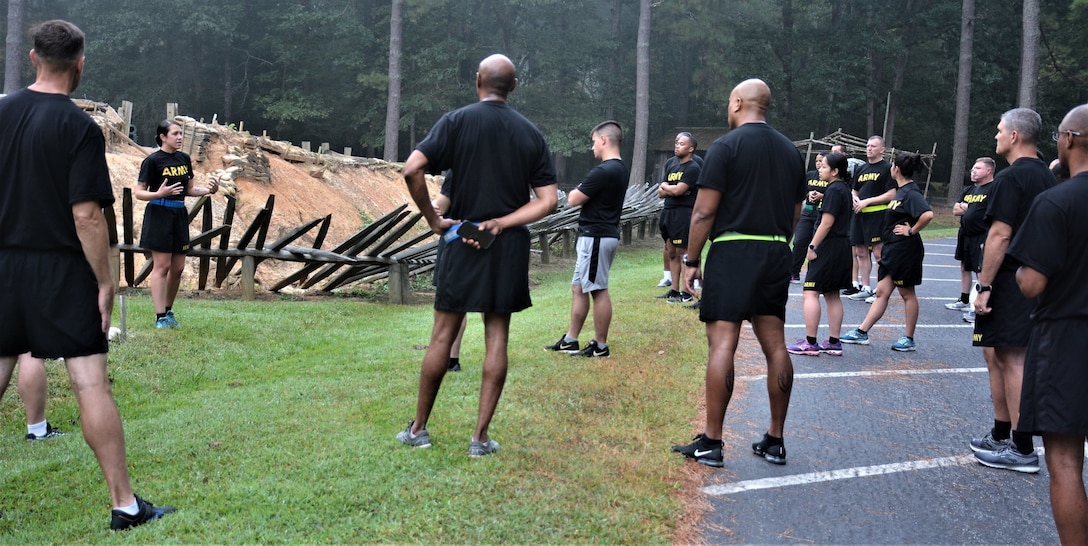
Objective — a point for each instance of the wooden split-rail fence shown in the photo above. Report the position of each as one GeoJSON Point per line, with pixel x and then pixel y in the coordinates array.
{"type": "Point", "coordinates": [375, 252]}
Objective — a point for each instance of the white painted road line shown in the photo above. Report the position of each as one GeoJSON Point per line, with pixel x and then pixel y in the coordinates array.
{"type": "Point", "coordinates": [868, 373]}
{"type": "Point", "coordinates": [846, 473]}
{"type": "Point", "coordinates": [960, 324]}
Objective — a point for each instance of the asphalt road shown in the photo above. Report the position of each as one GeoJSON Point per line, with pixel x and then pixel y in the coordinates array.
{"type": "Point", "coordinates": [876, 440]}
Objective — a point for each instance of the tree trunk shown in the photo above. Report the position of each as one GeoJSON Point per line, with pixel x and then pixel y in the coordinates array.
{"type": "Point", "coordinates": [228, 83]}
{"type": "Point", "coordinates": [13, 47]}
{"type": "Point", "coordinates": [785, 57]}
{"type": "Point", "coordinates": [613, 65]}
{"type": "Point", "coordinates": [1029, 58]}
{"type": "Point", "coordinates": [642, 95]}
{"type": "Point", "coordinates": [392, 108]}
{"type": "Point", "coordinates": [963, 101]}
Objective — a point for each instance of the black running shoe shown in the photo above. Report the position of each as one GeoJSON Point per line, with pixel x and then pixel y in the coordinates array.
{"type": "Point", "coordinates": [697, 305]}
{"type": "Point", "coordinates": [593, 350]}
{"type": "Point", "coordinates": [850, 291]}
{"type": "Point", "coordinates": [669, 294]}
{"type": "Point", "coordinates": [50, 432]}
{"type": "Point", "coordinates": [704, 450]}
{"type": "Point", "coordinates": [148, 512]}
{"type": "Point", "coordinates": [561, 345]}
{"type": "Point", "coordinates": [774, 453]}
{"type": "Point", "coordinates": [454, 367]}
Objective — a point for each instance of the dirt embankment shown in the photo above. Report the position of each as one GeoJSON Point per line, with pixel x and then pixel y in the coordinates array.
{"type": "Point", "coordinates": [353, 191]}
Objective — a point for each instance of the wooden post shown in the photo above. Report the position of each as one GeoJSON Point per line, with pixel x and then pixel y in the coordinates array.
{"type": "Point", "coordinates": [171, 110]}
{"type": "Point", "coordinates": [347, 151]}
{"type": "Point", "coordinates": [568, 250]}
{"type": "Point", "coordinates": [115, 266]}
{"type": "Point", "coordinates": [241, 126]}
{"type": "Point", "coordinates": [249, 273]}
{"type": "Point", "coordinates": [400, 288]}
{"type": "Point", "coordinates": [627, 233]}
{"type": "Point", "coordinates": [324, 149]}
{"type": "Point", "coordinates": [126, 114]}
{"type": "Point", "coordinates": [642, 230]}
{"type": "Point", "coordinates": [305, 145]}
{"type": "Point", "coordinates": [545, 249]}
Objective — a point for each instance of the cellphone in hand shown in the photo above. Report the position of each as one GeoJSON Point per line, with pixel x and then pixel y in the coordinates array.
{"type": "Point", "coordinates": [470, 230]}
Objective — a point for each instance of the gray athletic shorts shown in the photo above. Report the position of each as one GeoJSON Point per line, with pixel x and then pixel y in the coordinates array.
{"type": "Point", "coordinates": [595, 256]}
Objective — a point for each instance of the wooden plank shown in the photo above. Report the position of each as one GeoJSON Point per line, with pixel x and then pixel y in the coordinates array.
{"type": "Point", "coordinates": [249, 273]}
{"type": "Point", "coordinates": [221, 270]}
{"type": "Point", "coordinates": [127, 227]}
{"type": "Point", "coordinates": [204, 262]}
{"type": "Point", "coordinates": [263, 232]}
{"type": "Point", "coordinates": [262, 218]}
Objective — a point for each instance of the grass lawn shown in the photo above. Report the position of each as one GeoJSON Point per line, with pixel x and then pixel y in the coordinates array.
{"type": "Point", "coordinates": [275, 421]}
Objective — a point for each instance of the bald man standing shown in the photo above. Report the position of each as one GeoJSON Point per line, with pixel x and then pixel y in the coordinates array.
{"type": "Point", "coordinates": [749, 200]}
{"type": "Point", "coordinates": [499, 158]}
{"type": "Point", "coordinates": [1050, 246]}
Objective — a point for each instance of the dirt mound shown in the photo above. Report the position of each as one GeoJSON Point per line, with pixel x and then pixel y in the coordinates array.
{"type": "Point", "coordinates": [306, 186]}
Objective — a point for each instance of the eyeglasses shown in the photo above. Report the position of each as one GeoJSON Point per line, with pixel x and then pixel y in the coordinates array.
{"type": "Point", "coordinates": [1057, 134]}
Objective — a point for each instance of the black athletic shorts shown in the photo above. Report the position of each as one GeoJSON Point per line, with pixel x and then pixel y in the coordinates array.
{"type": "Point", "coordinates": [969, 251]}
{"type": "Point", "coordinates": [166, 229]}
{"type": "Point", "coordinates": [1008, 324]}
{"type": "Point", "coordinates": [49, 305]}
{"type": "Point", "coordinates": [867, 227]}
{"type": "Point", "coordinates": [674, 225]}
{"type": "Point", "coordinates": [743, 279]}
{"type": "Point", "coordinates": [1055, 379]}
{"type": "Point", "coordinates": [902, 260]}
{"type": "Point", "coordinates": [830, 271]}
{"type": "Point", "coordinates": [492, 280]}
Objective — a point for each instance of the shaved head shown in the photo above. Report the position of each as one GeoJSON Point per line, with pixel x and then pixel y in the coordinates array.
{"type": "Point", "coordinates": [1076, 120]}
{"type": "Point", "coordinates": [749, 102]}
{"type": "Point", "coordinates": [497, 76]}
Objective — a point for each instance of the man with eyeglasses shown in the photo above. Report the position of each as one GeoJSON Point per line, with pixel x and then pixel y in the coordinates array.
{"type": "Point", "coordinates": [1050, 246]}
{"type": "Point", "coordinates": [1002, 313]}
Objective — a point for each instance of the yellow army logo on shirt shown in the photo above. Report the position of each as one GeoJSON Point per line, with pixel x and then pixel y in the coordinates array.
{"type": "Point", "coordinates": [893, 204]}
{"type": "Point", "coordinates": [177, 170]}
{"type": "Point", "coordinates": [971, 199]}
{"type": "Point", "coordinates": [676, 176]}
{"type": "Point", "coordinates": [868, 177]}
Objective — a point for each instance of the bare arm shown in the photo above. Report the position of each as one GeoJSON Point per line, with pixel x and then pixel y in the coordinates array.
{"type": "Point", "coordinates": [93, 236]}
{"type": "Point", "coordinates": [143, 194]}
{"type": "Point", "coordinates": [673, 190]}
{"type": "Point", "coordinates": [576, 198]}
{"type": "Point", "coordinates": [875, 200]}
{"type": "Point", "coordinates": [997, 242]}
{"type": "Point", "coordinates": [547, 197]}
{"type": "Point", "coordinates": [702, 220]}
{"type": "Point", "coordinates": [1032, 283]}
{"type": "Point", "coordinates": [414, 170]}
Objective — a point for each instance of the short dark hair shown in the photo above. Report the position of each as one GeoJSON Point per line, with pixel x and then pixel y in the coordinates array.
{"type": "Point", "coordinates": [988, 161]}
{"type": "Point", "coordinates": [610, 129]}
{"type": "Point", "coordinates": [58, 43]}
{"type": "Point", "coordinates": [164, 129]}
{"type": "Point", "coordinates": [691, 139]}
{"type": "Point", "coordinates": [908, 163]}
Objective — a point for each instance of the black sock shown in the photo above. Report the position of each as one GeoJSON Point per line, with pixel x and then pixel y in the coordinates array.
{"type": "Point", "coordinates": [964, 297]}
{"type": "Point", "coordinates": [1023, 442]}
{"type": "Point", "coordinates": [454, 361]}
{"type": "Point", "coordinates": [811, 339]}
{"type": "Point", "coordinates": [860, 331]}
{"type": "Point", "coordinates": [772, 440]}
{"type": "Point", "coordinates": [160, 315]}
{"type": "Point", "coordinates": [1002, 430]}
{"type": "Point", "coordinates": [168, 309]}
{"type": "Point", "coordinates": [833, 340]}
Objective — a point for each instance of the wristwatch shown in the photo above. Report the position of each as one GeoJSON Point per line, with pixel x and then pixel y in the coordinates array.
{"type": "Point", "coordinates": [689, 263]}
{"type": "Point", "coordinates": [812, 248]}
{"type": "Point", "coordinates": [980, 288]}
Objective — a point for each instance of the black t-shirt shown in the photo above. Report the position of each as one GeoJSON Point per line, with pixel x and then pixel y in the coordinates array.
{"type": "Point", "coordinates": [973, 222]}
{"type": "Point", "coordinates": [1014, 189]}
{"type": "Point", "coordinates": [815, 184]}
{"type": "Point", "coordinates": [606, 186]}
{"type": "Point", "coordinates": [53, 156]}
{"type": "Point", "coordinates": [688, 173]}
{"type": "Point", "coordinates": [839, 202]}
{"type": "Point", "coordinates": [498, 157]}
{"type": "Point", "coordinates": [1052, 240]}
{"type": "Point", "coordinates": [873, 179]}
{"type": "Point", "coordinates": [173, 168]}
{"type": "Point", "coordinates": [905, 208]}
{"type": "Point", "coordinates": [761, 177]}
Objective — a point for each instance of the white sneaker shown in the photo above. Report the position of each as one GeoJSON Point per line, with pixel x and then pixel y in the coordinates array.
{"type": "Point", "coordinates": [664, 283]}
{"type": "Point", "coordinates": [956, 306]}
{"type": "Point", "coordinates": [862, 294]}
{"type": "Point", "coordinates": [870, 299]}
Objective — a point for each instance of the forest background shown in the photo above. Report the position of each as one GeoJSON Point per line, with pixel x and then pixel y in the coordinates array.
{"type": "Point", "coordinates": [320, 70]}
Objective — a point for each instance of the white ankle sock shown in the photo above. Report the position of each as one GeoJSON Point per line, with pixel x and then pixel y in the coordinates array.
{"type": "Point", "coordinates": [38, 429]}
{"type": "Point", "coordinates": [131, 510]}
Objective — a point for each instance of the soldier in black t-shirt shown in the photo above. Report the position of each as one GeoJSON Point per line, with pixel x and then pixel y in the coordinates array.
{"type": "Point", "coordinates": [499, 158]}
{"type": "Point", "coordinates": [1050, 245]}
{"type": "Point", "coordinates": [810, 215]}
{"type": "Point", "coordinates": [57, 296]}
{"type": "Point", "coordinates": [873, 189]}
{"type": "Point", "coordinates": [164, 181]}
{"type": "Point", "coordinates": [828, 254]}
{"type": "Point", "coordinates": [678, 189]}
{"type": "Point", "coordinates": [601, 196]}
{"type": "Point", "coordinates": [1002, 312]}
{"type": "Point", "coordinates": [971, 209]}
{"type": "Point", "coordinates": [750, 193]}
{"type": "Point", "coordinates": [900, 265]}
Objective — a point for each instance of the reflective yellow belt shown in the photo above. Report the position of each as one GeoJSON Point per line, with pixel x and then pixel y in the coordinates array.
{"type": "Point", "coordinates": [875, 208]}
{"type": "Point", "coordinates": [734, 236]}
